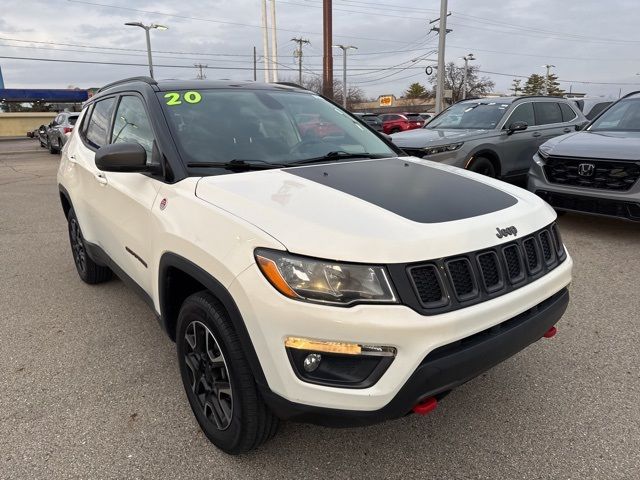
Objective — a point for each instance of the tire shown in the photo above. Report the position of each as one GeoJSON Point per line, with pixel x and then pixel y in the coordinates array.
{"type": "Point", "coordinates": [395, 130]}
{"type": "Point", "coordinates": [483, 166]}
{"type": "Point", "coordinates": [221, 390]}
{"type": "Point", "coordinates": [53, 150]}
{"type": "Point", "coordinates": [89, 271]}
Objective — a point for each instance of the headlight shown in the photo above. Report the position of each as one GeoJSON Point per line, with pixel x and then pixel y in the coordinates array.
{"type": "Point", "coordinates": [323, 281]}
{"type": "Point", "coordinates": [544, 151]}
{"type": "Point", "coordinates": [442, 148]}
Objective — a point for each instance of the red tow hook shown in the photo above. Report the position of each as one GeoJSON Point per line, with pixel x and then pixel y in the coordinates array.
{"type": "Point", "coordinates": [425, 406]}
{"type": "Point", "coordinates": [550, 333]}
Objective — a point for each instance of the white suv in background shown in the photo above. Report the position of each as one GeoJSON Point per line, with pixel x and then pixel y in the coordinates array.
{"type": "Point", "coordinates": [305, 273]}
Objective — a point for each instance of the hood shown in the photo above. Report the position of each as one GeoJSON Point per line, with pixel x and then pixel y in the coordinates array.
{"type": "Point", "coordinates": [423, 137]}
{"type": "Point", "coordinates": [605, 145]}
{"type": "Point", "coordinates": [377, 211]}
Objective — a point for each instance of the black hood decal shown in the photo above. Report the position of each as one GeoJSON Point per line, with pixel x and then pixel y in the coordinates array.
{"type": "Point", "coordinates": [417, 192]}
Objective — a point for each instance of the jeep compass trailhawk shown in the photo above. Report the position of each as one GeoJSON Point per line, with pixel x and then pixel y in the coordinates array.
{"type": "Point", "coordinates": [308, 274]}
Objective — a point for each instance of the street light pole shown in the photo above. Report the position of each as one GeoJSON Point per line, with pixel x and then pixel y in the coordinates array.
{"type": "Point", "coordinates": [546, 80]}
{"type": "Point", "coordinates": [146, 31]}
{"type": "Point", "coordinates": [467, 59]}
{"type": "Point", "coordinates": [344, 71]}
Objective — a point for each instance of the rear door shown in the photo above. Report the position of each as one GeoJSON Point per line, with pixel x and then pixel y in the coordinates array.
{"type": "Point", "coordinates": [88, 179]}
{"type": "Point", "coordinates": [549, 120]}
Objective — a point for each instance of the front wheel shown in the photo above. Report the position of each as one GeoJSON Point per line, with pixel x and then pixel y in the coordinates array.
{"type": "Point", "coordinates": [217, 378]}
{"type": "Point", "coordinates": [483, 166]}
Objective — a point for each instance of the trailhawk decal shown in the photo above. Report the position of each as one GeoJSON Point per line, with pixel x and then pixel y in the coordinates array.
{"type": "Point", "coordinates": [417, 192]}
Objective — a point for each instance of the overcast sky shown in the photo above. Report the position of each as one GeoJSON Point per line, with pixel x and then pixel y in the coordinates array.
{"type": "Point", "coordinates": [587, 40]}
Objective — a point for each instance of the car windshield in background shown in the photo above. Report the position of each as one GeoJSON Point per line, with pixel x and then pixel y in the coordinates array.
{"type": "Point", "coordinates": [623, 116]}
{"type": "Point", "coordinates": [221, 125]}
{"type": "Point", "coordinates": [470, 115]}
{"type": "Point", "coordinates": [73, 120]}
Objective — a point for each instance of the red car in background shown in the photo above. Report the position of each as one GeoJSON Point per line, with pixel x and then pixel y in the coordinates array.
{"type": "Point", "coordinates": [312, 126]}
{"type": "Point", "coordinates": [399, 122]}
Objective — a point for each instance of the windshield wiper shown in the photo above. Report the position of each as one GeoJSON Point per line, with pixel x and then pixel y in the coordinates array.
{"type": "Point", "coordinates": [337, 155]}
{"type": "Point", "coordinates": [254, 164]}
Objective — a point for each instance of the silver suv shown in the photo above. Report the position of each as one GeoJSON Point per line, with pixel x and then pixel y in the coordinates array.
{"type": "Point", "coordinates": [493, 136]}
{"type": "Point", "coordinates": [58, 128]}
{"type": "Point", "coordinates": [597, 170]}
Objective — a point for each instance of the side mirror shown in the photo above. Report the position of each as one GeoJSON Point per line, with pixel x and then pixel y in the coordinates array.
{"type": "Point", "coordinates": [122, 157]}
{"type": "Point", "coordinates": [517, 127]}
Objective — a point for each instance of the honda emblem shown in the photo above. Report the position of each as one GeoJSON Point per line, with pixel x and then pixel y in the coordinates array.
{"type": "Point", "coordinates": [586, 169]}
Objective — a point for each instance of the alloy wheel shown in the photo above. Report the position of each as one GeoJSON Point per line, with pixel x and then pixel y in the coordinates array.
{"type": "Point", "coordinates": [208, 374]}
{"type": "Point", "coordinates": [77, 245]}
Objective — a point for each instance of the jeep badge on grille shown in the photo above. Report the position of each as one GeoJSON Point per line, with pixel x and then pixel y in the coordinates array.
{"type": "Point", "coordinates": [504, 232]}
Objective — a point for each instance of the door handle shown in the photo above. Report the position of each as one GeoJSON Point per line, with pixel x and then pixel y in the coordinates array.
{"type": "Point", "coordinates": [536, 134]}
{"type": "Point", "coordinates": [101, 179]}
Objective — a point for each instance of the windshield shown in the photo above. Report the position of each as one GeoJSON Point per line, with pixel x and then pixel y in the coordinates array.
{"type": "Point", "coordinates": [472, 115]}
{"type": "Point", "coordinates": [624, 116]}
{"type": "Point", "coordinates": [277, 127]}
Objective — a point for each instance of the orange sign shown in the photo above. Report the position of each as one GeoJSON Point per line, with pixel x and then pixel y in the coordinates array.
{"type": "Point", "coordinates": [385, 100]}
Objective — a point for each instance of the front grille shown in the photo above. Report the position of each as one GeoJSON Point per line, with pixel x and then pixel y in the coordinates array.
{"type": "Point", "coordinates": [456, 282]}
{"type": "Point", "coordinates": [427, 284]}
{"type": "Point", "coordinates": [598, 174]}
{"type": "Point", "coordinates": [598, 206]}
{"type": "Point", "coordinates": [462, 278]}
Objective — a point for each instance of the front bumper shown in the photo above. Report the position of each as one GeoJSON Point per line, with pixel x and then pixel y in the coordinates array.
{"type": "Point", "coordinates": [609, 203]}
{"type": "Point", "coordinates": [442, 370]}
{"type": "Point", "coordinates": [270, 318]}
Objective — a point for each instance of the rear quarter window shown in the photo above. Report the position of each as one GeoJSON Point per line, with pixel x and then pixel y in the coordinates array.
{"type": "Point", "coordinates": [567, 112]}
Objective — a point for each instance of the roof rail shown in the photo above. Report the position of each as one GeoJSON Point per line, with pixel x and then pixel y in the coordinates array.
{"type": "Point", "coordinates": [148, 80]}
{"type": "Point", "coordinates": [627, 95]}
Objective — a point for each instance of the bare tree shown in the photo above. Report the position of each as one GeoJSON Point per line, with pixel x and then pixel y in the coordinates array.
{"type": "Point", "coordinates": [314, 83]}
{"type": "Point", "coordinates": [454, 78]}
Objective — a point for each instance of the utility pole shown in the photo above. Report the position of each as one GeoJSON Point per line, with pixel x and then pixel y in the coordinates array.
{"type": "Point", "coordinates": [274, 43]}
{"type": "Point", "coordinates": [442, 32]}
{"type": "Point", "coordinates": [255, 65]}
{"type": "Point", "coordinates": [265, 42]}
{"type": "Point", "coordinates": [546, 81]}
{"type": "Point", "coordinates": [327, 57]}
{"type": "Point", "coordinates": [467, 59]}
{"type": "Point", "coordinates": [200, 75]}
{"type": "Point", "coordinates": [345, 90]}
{"type": "Point", "coordinates": [298, 53]}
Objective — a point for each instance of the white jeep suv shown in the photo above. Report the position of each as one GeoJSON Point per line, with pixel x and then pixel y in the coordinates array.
{"type": "Point", "coordinates": [306, 269]}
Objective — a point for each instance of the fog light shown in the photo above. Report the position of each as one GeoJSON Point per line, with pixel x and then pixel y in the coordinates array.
{"type": "Point", "coordinates": [312, 362]}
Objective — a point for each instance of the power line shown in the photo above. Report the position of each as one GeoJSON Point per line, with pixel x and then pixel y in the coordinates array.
{"type": "Point", "coordinates": [223, 22]}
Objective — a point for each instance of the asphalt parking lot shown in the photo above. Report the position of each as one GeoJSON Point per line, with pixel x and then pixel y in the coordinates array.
{"type": "Point", "coordinates": [91, 389]}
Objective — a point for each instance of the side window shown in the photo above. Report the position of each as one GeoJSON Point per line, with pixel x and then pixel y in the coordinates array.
{"type": "Point", "coordinates": [567, 112]}
{"type": "Point", "coordinates": [547, 113]}
{"type": "Point", "coordinates": [132, 124]}
{"type": "Point", "coordinates": [522, 113]}
{"type": "Point", "coordinates": [99, 122]}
